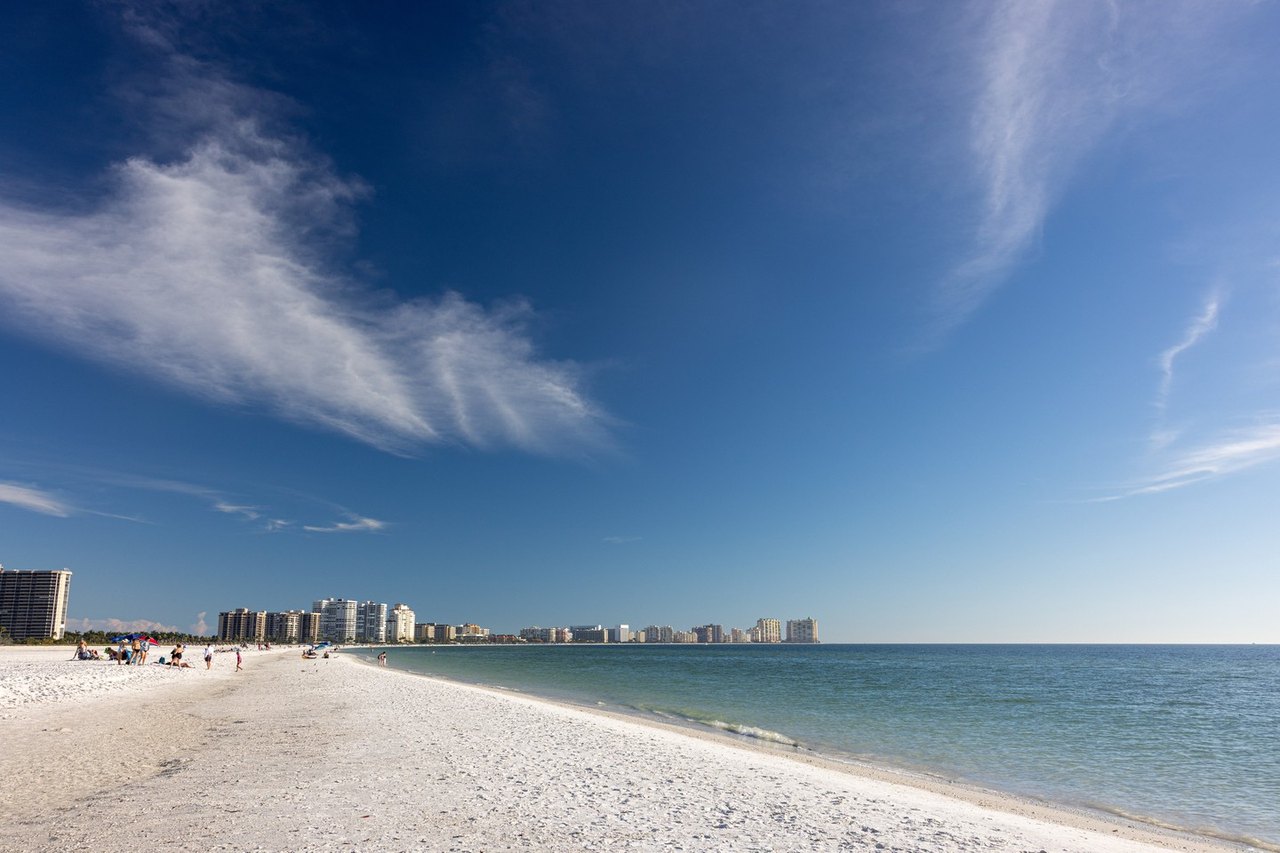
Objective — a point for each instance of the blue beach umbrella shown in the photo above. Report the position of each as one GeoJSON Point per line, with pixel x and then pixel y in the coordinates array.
{"type": "Point", "coordinates": [124, 638]}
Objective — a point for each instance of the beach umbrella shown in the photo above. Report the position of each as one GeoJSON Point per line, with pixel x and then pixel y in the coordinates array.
{"type": "Point", "coordinates": [124, 638]}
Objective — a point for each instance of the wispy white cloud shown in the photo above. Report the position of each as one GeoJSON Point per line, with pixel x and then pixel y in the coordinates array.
{"type": "Point", "coordinates": [1038, 108]}
{"type": "Point", "coordinates": [248, 512]}
{"type": "Point", "coordinates": [33, 499]}
{"type": "Point", "coordinates": [1051, 79]}
{"type": "Point", "coordinates": [1231, 453]}
{"type": "Point", "coordinates": [207, 272]}
{"type": "Point", "coordinates": [216, 499]}
{"type": "Point", "coordinates": [1204, 323]}
{"type": "Point", "coordinates": [357, 524]}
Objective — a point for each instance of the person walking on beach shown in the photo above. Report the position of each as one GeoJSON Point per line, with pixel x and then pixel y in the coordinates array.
{"type": "Point", "coordinates": [208, 656]}
{"type": "Point", "coordinates": [238, 667]}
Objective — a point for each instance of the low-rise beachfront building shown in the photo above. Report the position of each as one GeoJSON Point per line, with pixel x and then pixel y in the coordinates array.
{"type": "Point", "coordinates": [684, 637]}
{"type": "Point", "coordinates": [768, 631]}
{"type": "Point", "coordinates": [470, 631]}
{"type": "Point", "coordinates": [621, 634]}
{"type": "Point", "coordinates": [337, 619]}
{"type": "Point", "coordinates": [534, 634]}
{"type": "Point", "coordinates": [424, 632]}
{"type": "Point", "coordinates": [588, 634]}
{"type": "Point", "coordinates": [371, 622]}
{"type": "Point", "coordinates": [242, 625]}
{"type": "Point", "coordinates": [33, 603]}
{"type": "Point", "coordinates": [444, 633]}
{"type": "Point", "coordinates": [638, 637]}
{"type": "Point", "coordinates": [802, 630]}
{"type": "Point", "coordinates": [400, 622]}
{"type": "Point", "coordinates": [737, 635]}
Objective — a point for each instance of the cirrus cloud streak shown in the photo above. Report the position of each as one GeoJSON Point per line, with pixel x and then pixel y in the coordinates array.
{"type": "Point", "coordinates": [209, 273]}
{"type": "Point", "coordinates": [33, 499]}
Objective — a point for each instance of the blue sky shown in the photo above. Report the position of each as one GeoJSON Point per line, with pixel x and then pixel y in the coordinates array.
{"type": "Point", "coordinates": [936, 322]}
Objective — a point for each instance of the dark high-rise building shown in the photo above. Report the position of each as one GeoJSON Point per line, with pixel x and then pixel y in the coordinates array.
{"type": "Point", "coordinates": [33, 603]}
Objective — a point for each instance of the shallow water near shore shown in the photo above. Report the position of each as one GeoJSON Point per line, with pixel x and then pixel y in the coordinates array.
{"type": "Point", "coordinates": [1185, 736]}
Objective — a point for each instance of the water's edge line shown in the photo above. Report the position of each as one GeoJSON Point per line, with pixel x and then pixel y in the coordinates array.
{"type": "Point", "coordinates": [1095, 819]}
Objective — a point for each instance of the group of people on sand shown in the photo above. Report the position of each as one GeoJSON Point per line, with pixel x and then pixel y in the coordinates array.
{"type": "Point", "coordinates": [83, 652]}
{"type": "Point", "coordinates": [135, 653]}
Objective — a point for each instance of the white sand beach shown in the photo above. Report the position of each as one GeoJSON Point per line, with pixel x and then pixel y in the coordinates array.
{"type": "Point", "coordinates": [341, 755]}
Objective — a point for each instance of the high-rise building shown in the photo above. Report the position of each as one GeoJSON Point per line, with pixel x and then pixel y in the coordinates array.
{"type": "Point", "coordinates": [371, 622]}
{"type": "Point", "coordinates": [621, 634]}
{"type": "Point", "coordinates": [768, 631]}
{"type": "Point", "coordinates": [309, 628]}
{"type": "Point", "coordinates": [709, 633]}
{"type": "Point", "coordinates": [242, 625]}
{"type": "Point", "coordinates": [659, 634]}
{"type": "Point", "coordinates": [337, 619]}
{"type": "Point", "coordinates": [802, 630]}
{"type": "Point", "coordinates": [284, 627]}
{"type": "Point", "coordinates": [33, 603]}
{"type": "Point", "coordinates": [400, 623]}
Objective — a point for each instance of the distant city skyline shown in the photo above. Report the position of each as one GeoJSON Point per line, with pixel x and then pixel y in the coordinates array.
{"type": "Point", "coordinates": [954, 322]}
{"type": "Point", "coordinates": [346, 620]}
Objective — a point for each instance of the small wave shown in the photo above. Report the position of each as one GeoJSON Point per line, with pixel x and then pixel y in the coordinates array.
{"type": "Point", "coordinates": [702, 719]}
{"type": "Point", "coordinates": [752, 731]}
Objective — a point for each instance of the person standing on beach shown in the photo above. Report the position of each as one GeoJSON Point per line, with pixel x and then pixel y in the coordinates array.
{"type": "Point", "coordinates": [120, 652]}
{"type": "Point", "coordinates": [238, 667]}
{"type": "Point", "coordinates": [135, 652]}
{"type": "Point", "coordinates": [382, 659]}
{"type": "Point", "coordinates": [208, 656]}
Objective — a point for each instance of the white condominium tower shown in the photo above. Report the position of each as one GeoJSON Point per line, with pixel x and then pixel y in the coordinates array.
{"type": "Point", "coordinates": [400, 624]}
{"type": "Point", "coordinates": [802, 630]}
{"type": "Point", "coordinates": [337, 619]}
{"type": "Point", "coordinates": [768, 631]}
{"type": "Point", "coordinates": [371, 622]}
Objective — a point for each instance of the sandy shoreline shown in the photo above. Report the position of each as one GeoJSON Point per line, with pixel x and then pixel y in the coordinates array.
{"type": "Point", "coordinates": [336, 754]}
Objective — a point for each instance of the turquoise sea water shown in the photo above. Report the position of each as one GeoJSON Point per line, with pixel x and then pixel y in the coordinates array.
{"type": "Point", "coordinates": [1187, 736]}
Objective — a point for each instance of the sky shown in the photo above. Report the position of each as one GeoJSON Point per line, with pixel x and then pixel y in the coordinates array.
{"type": "Point", "coordinates": [937, 322]}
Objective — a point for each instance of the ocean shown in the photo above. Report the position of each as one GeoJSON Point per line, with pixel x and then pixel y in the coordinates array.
{"type": "Point", "coordinates": [1182, 736]}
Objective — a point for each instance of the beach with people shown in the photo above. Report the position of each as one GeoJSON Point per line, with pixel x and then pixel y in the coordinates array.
{"type": "Point", "coordinates": [295, 753]}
